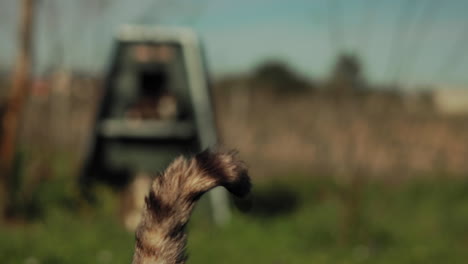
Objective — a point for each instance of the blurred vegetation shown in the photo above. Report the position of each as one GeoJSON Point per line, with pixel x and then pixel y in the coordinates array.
{"type": "Point", "coordinates": [278, 77]}
{"type": "Point", "coordinates": [293, 220]}
{"type": "Point", "coordinates": [346, 75]}
{"type": "Point", "coordinates": [339, 125]}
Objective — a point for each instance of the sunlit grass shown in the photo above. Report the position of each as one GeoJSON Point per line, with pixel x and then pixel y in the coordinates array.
{"type": "Point", "coordinates": [419, 222]}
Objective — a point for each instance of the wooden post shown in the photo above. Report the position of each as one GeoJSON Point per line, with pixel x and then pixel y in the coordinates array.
{"type": "Point", "coordinates": [17, 98]}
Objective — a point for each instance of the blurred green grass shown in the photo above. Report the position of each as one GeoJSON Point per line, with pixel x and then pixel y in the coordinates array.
{"type": "Point", "coordinates": [298, 220]}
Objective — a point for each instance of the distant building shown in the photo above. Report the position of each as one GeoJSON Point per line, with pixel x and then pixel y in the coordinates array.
{"type": "Point", "coordinates": [450, 99]}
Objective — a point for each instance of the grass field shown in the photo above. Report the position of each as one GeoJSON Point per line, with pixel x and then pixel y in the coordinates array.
{"type": "Point", "coordinates": [294, 221]}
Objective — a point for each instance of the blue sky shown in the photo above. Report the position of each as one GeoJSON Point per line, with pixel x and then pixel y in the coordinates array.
{"type": "Point", "coordinates": [408, 41]}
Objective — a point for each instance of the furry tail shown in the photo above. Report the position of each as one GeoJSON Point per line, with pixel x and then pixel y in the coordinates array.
{"type": "Point", "coordinates": [161, 236]}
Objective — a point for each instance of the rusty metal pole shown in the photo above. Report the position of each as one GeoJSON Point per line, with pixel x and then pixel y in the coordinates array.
{"type": "Point", "coordinates": [17, 98]}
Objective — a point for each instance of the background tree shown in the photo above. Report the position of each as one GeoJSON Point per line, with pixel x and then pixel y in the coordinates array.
{"type": "Point", "coordinates": [346, 74]}
{"type": "Point", "coordinates": [17, 98]}
{"type": "Point", "coordinates": [279, 77]}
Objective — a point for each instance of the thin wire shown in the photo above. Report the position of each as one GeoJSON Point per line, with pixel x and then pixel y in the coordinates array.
{"type": "Point", "coordinates": [425, 26]}
{"type": "Point", "coordinates": [334, 25]}
{"type": "Point", "coordinates": [401, 31]}
{"type": "Point", "coordinates": [456, 56]}
{"type": "Point", "coordinates": [366, 25]}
